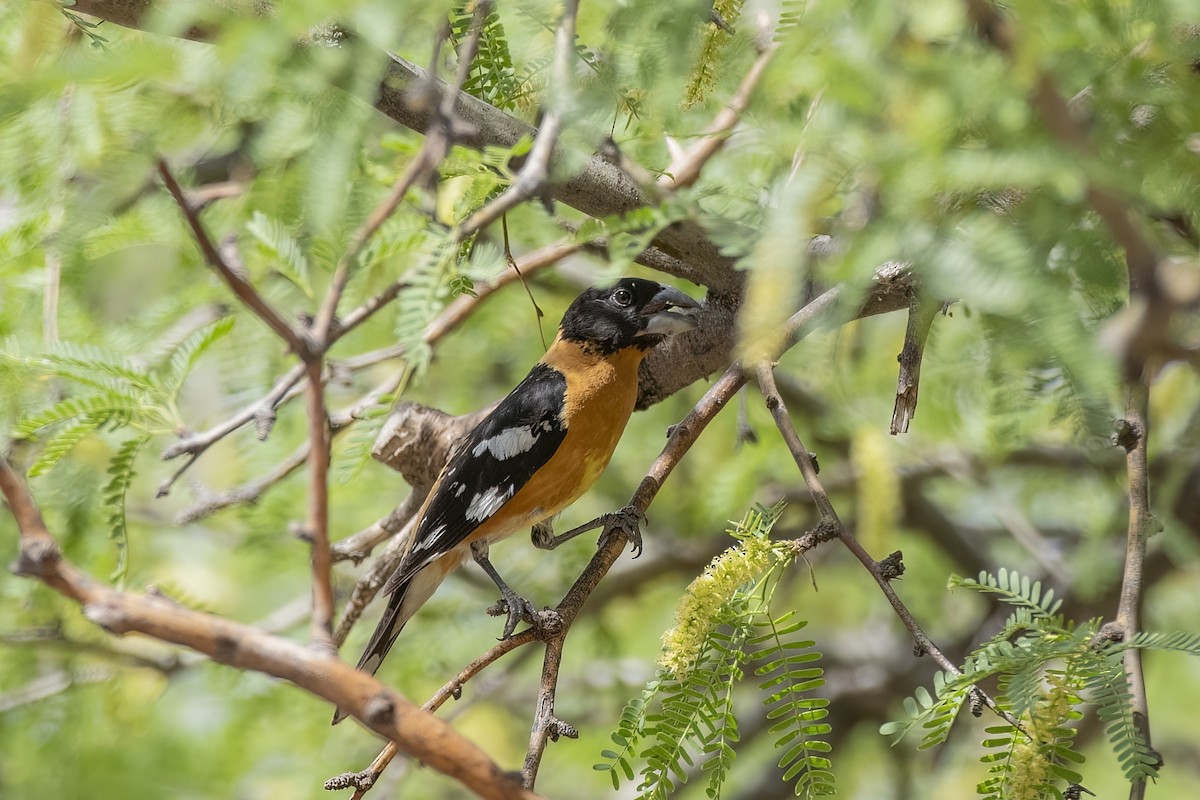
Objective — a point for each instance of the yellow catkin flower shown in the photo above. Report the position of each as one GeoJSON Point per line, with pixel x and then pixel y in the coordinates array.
{"type": "Point", "coordinates": [1029, 770]}
{"type": "Point", "coordinates": [878, 493]}
{"type": "Point", "coordinates": [713, 39]}
{"type": "Point", "coordinates": [1030, 767]}
{"type": "Point", "coordinates": [704, 597]}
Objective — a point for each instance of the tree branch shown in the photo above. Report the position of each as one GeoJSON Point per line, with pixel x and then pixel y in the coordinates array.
{"type": "Point", "coordinates": [238, 283]}
{"type": "Point", "coordinates": [318, 506]}
{"type": "Point", "coordinates": [362, 782]}
{"type": "Point", "coordinates": [685, 170]}
{"type": "Point", "coordinates": [382, 710]}
{"type": "Point", "coordinates": [882, 571]}
{"type": "Point", "coordinates": [536, 172]}
{"type": "Point", "coordinates": [921, 312]}
{"type": "Point", "coordinates": [599, 189]}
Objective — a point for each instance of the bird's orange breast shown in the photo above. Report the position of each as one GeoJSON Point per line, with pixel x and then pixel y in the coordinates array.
{"type": "Point", "coordinates": [601, 392]}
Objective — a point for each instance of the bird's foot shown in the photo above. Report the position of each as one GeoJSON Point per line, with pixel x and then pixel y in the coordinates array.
{"type": "Point", "coordinates": [516, 609]}
{"type": "Point", "coordinates": [629, 520]}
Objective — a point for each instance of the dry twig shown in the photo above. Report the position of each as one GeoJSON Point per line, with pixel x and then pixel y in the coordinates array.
{"type": "Point", "coordinates": [883, 571]}
{"type": "Point", "coordinates": [920, 318]}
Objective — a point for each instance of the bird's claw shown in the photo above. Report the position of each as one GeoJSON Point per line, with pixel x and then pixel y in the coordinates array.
{"type": "Point", "coordinates": [629, 520]}
{"type": "Point", "coordinates": [516, 609]}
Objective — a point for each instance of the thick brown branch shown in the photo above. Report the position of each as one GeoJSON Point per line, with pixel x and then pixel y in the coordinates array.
{"type": "Point", "coordinates": [383, 711]}
{"type": "Point", "coordinates": [599, 189]}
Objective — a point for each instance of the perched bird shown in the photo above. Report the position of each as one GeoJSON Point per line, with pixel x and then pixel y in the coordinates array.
{"type": "Point", "coordinates": [542, 447]}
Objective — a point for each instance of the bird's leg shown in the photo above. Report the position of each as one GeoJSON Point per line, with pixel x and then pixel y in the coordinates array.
{"type": "Point", "coordinates": [628, 519]}
{"type": "Point", "coordinates": [518, 608]}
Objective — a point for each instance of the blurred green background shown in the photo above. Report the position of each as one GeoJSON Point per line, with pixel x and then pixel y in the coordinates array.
{"type": "Point", "coordinates": [889, 126]}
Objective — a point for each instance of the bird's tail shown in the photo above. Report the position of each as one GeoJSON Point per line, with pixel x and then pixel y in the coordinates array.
{"type": "Point", "coordinates": [404, 600]}
{"type": "Point", "coordinates": [386, 632]}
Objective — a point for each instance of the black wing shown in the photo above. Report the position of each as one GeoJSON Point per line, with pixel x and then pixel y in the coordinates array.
{"type": "Point", "coordinates": [490, 466]}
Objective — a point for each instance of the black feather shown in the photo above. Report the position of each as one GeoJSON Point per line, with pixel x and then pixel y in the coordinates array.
{"type": "Point", "coordinates": [534, 406]}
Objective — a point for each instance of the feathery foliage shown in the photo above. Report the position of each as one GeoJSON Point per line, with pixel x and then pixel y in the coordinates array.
{"type": "Point", "coordinates": [1047, 670]}
{"type": "Point", "coordinates": [110, 391]}
{"type": "Point", "coordinates": [714, 37]}
{"type": "Point", "coordinates": [492, 77]}
{"type": "Point", "coordinates": [120, 471]}
{"type": "Point", "coordinates": [724, 625]}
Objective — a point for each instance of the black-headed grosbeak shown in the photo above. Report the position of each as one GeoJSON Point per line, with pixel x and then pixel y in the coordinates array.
{"type": "Point", "coordinates": [541, 448]}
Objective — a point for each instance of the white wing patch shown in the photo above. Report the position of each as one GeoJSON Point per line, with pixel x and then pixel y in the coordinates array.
{"type": "Point", "coordinates": [511, 441]}
{"type": "Point", "coordinates": [429, 540]}
{"type": "Point", "coordinates": [484, 504]}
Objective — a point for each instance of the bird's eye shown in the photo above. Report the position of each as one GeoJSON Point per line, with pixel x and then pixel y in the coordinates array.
{"type": "Point", "coordinates": [622, 297]}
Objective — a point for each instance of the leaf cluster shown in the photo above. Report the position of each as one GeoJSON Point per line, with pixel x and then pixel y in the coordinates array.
{"type": "Point", "coordinates": [1048, 671]}
{"type": "Point", "coordinates": [684, 721]}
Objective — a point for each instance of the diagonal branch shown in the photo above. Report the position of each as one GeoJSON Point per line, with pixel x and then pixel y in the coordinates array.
{"type": "Point", "coordinates": [382, 710]}
{"type": "Point", "coordinates": [882, 571]}
{"type": "Point", "coordinates": [237, 282]}
{"type": "Point", "coordinates": [362, 782]}
{"type": "Point", "coordinates": [536, 172]}
{"type": "Point", "coordinates": [685, 170]}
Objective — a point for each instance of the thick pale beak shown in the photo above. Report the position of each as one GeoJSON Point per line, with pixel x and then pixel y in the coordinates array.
{"type": "Point", "coordinates": [659, 319]}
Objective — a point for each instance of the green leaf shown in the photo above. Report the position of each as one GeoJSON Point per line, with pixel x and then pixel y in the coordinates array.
{"type": "Point", "coordinates": [63, 441]}
{"type": "Point", "coordinates": [189, 351]}
{"type": "Point", "coordinates": [121, 472]}
{"type": "Point", "coordinates": [287, 256]}
{"type": "Point", "coordinates": [105, 404]}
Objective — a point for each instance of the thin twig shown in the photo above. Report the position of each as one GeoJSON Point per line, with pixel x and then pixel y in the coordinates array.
{"type": "Point", "coordinates": [558, 103]}
{"type": "Point", "coordinates": [50, 684]}
{"type": "Point", "coordinates": [197, 443]}
{"type": "Point", "coordinates": [251, 491]}
{"type": "Point", "coordinates": [921, 312]}
{"type": "Point", "coordinates": [685, 170]}
{"type": "Point", "coordinates": [358, 546]}
{"type": "Point", "coordinates": [238, 283]}
{"type": "Point", "coordinates": [381, 569]}
{"type": "Point", "coordinates": [882, 571]}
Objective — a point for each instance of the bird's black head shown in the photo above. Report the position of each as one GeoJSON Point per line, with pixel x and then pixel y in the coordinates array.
{"type": "Point", "coordinates": [631, 313]}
